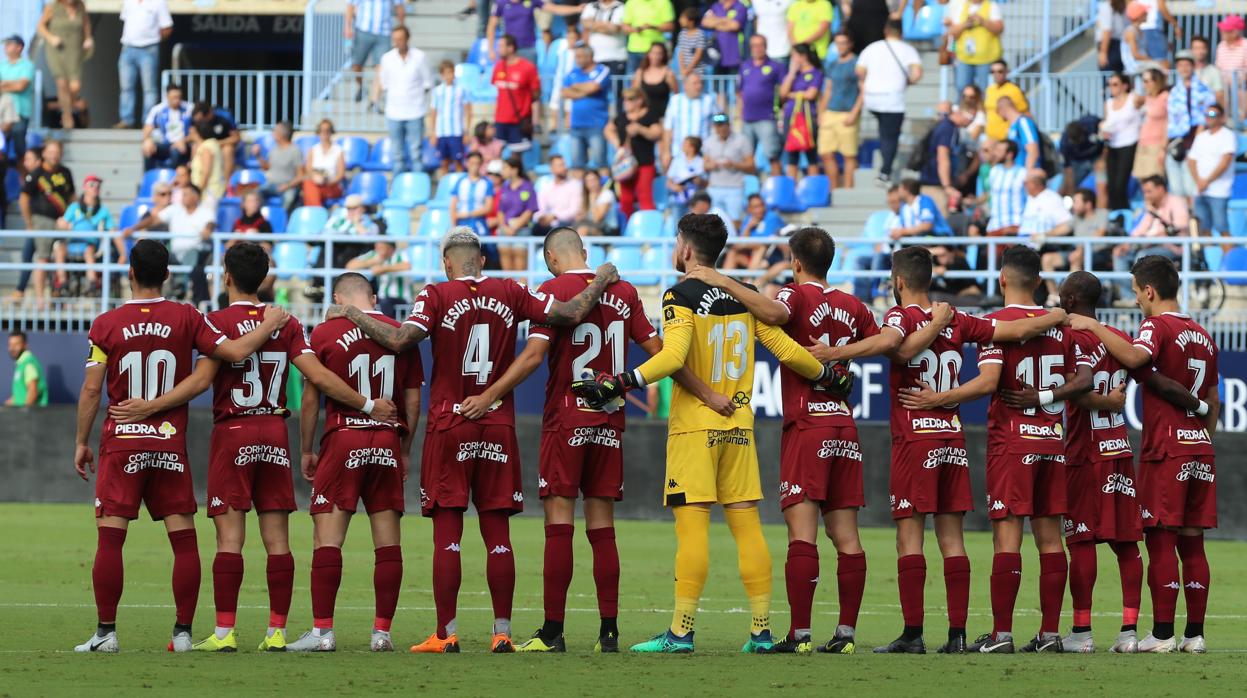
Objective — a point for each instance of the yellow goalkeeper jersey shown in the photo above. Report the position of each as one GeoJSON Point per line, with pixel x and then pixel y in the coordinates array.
{"type": "Point", "coordinates": [712, 334]}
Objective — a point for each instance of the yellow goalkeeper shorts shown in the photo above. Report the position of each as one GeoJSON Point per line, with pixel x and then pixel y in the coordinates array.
{"type": "Point", "coordinates": [712, 467]}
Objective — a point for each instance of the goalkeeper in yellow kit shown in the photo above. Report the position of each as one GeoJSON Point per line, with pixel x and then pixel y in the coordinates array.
{"type": "Point", "coordinates": [711, 458]}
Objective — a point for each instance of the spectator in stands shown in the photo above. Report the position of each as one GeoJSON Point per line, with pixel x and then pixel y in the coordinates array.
{"type": "Point", "coordinates": [688, 114]}
{"type": "Point", "coordinates": [208, 166]}
{"type": "Point", "coordinates": [656, 79]}
{"type": "Point", "coordinates": [181, 179]}
{"type": "Point", "coordinates": [602, 23]}
{"type": "Point", "coordinates": [1155, 43]}
{"type": "Point", "coordinates": [519, 22]}
{"type": "Point", "coordinates": [486, 142]}
{"type": "Point", "coordinates": [560, 202]}
{"type": "Point", "coordinates": [645, 21]}
{"type": "Point", "coordinates": [191, 224]}
{"type": "Point", "coordinates": [588, 88]}
{"type": "Point", "coordinates": [1110, 24]}
{"type": "Point", "coordinates": [1081, 150]}
{"type": "Point", "coordinates": [840, 112]}
{"type": "Point", "coordinates": [728, 20]}
{"type": "Point", "coordinates": [223, 128]}
{"type": "Point", "coordinates": [251, 219]}
{"type": "Point", "coordinates": [166, 131]}
{"type": "Point", "coordinates": [387, 266]}
{"type": "Point", "coordinates": [1211, 162]}
{"type": "Point", "coordinates": [87, 214]}
{"type": "Point", "coordinates": [1088, 221]}
{"type": "Point", "coordinates": [283, 167]}
{"type": "Point", "coordinates": [809, 22]}
{"type": "Point", "coordinates": [144, 24]}
{"type": "Point", "coordinates": [1002, 86]}
{"type": "Point", "coordinates": [636, 129]}
{"type": "Point", "coordinates": [920, 215]}
{"type": "Point", "coordinates": [162, 198]}
{"type": "Point", "coordinates": [66, 31]}
{"type": "Point", "coordinates": [403, 74]}
{"type": "Point", "coordinates": [962, 291]}
{"type": "Point", "coordinates": [29, 388]}
{"type": "Point", "coordinates": [685, 176]}
{"type": "Point", "coordinates": [450, 113]}
{"type": "Point", "coordinates": [598, 206]}
{"type": "Point", "coordinates": [1120, 131]}
{"type": "Point", "coordinates": [1134, 58]}
{"type": "Point", "coordinates": [1232, 57]}
{"type": "Point", "coordinates": [880, 257]}
{"type": "Point", "coordinates": [325, 167]}
{"type": "Point", "coordinates": [366, 26]}
{"type": "Point", "coordinates": [472, 198]}
{"type": "Point", "coordinates": [559, 110]}
{"type": "Point", "coordinates": [351, 218]}
{"type": "Point", "coordinates": [1189, 100]}
{"type": "Point", "coordinates": [728, 159]}
{"type": "Point", "coordinates": [690, 45]}
{"type": "Point", "coordinates": [772, 25]}
{"type": "Point", "coordinates": [47, 192]}
{"type": "Point", "coordinates": [1208, 73]}
{"type": "Point", "coordinates": [1149, 158]}
{"type": "Point", "coordinates": [701, 204]}
{"type": "Point", "coordinates": [760, 77]}
{"type": "Point", "coordinates": [493, 172]}
{"type": "Point", "coordinates": [1045, 216]}
{"type": "Point", "coordinates": [517, 204]}
{"type": "Point", "coordinates": [973, 118]}
{"type": "Point", "coordinates": [976, 26]}
{"type": "Point", "coordinates": [1006, 190]}
{"type": "Point", "coordinates": [938, 167]}
{"type": "Point", "coordinates": [1024, 131]}
{"type": "Point", "coordinates": [1164, 215]}
{"type": "Point", "coordinates": [17, 87]}
{"type": "Point", "coordinates": [887, 68]}
{"type": "Point", "coordinates": [799, 93]}
{"type": "Point", "coordinates": [519, 88]}
{"type": "Point", "coordinates": [744, 256]}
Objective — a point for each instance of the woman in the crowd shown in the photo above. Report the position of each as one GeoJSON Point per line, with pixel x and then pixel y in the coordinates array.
{"type": "Point", "coordinates": [1120, 130]}
{"type": "Point", "coordinates": [636, 129]}
{"type": "Point", "coordinates": [1110, 24]}
{"type": "Point", "coordinates": [517, 202]}
{"type": "Point", "coordinates": [326, 168]}
{"type": "Point", "coordinates": [66, 31]}
{"type": "Point", "coordinates": [599, 206]}
{"type": "Point", "coordinates": [208, 166]}
{"type": "Point", "coordinates": [800, 95]}
{"type": "Point", "coordinates": [1149, 159]}
{"type": "Point", "coordinates": [486, 142]}
{"type": "Point", "coordinates": [971, 105]}
{"type": "Point", "coordinates": [87, 214]}
{"type": "Point", "coordinates": [655, 78]}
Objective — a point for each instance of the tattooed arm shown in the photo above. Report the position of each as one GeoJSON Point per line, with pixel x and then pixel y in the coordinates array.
{"type": "Point", "coordinates": [396, 339]}
{"type": "Point", "coordinates": [574, 310]}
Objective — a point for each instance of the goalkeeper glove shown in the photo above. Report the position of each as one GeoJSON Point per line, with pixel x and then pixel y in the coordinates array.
{"type": "Point", "coordinates": [603, 388]}
{"type": "Point", "coordinates": [836, 379]}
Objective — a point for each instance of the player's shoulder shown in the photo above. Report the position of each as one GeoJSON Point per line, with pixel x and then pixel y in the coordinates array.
{"type": "Point", "coordinates": [846, 301]}
{"type": "Point", "coordinates": [703, 299]}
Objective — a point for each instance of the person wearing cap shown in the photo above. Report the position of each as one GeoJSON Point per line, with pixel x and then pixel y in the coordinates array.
{"type": "Point", "coordinates": [728, 158]}
{"type": "Point", "coordinates": [588, 88]}
{"type": "Point", "coordinates": [1189, 99]}
{"type": "Point", "coordinates": [87, 214]}
{"type": "Point", "coordinates": [1211, 162]}
{"type": "Point", "coordinates": [17, 86]}
{"type": "Point", "coordinates": [144, 24]}
{"type": "Point", "coordinates": [1232, 54]}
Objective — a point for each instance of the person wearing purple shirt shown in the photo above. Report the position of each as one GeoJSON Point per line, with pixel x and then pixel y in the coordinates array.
{"type": "Point", "coordinates": [518, 21]}
{"type": "Point", "coordinates": [760, 77]}
{"type": "Point", "coordinates": [727, 19]}
{"type": "Point", "coordinates": [801, 87]}
{"type": "Point", "coordinates": [517, 203]}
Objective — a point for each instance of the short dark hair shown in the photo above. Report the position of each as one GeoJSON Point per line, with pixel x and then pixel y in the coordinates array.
{"type": "Point", "coordinates": [1159, 273]}
{"type": "Point", "coordinates": [19, 334]}
{"type": "Point", "coordinates": [755, 196]}
{"type": "Point", "coordinates": [814, 248]}
{"type": "Point", "coordinates": [1202, 39]}
{"type": "Point", "coordinates": [1155, 180]}
{"type": "Point", "coordinates": [911, 185]}
{"type": "Point", "coordinates": [1086, 194]}
{"type": "Point", "coordinates": [509, 41]}
{"type": "Point", "coordinates": [401, 28]}
{"type": "Point", "coordinates": [174, 86]}
{"type": "Point", "coordinates": [1002, 63]}
{"type": "Point", "coordinates": [691, 14]}
{"type": "Point", "coordinates": [201, 109]}
{"type": "Point", "coordinates": [700, 197]}
{"type": "Point", "coordinates": [914, 265]}
{"type": "Point", "coordinates": [205, 130]}
{"type": "Point", "coordinates": [473, 154]}
{"type": "Point", "coordinates": [352, 282]}
{"type": "Point", "coordinates": [1021, 265]}
{"type": "Point", "coordinates": [1011, 148]}
{"type": "Point", "coordinates": [1083, 288]}
{"type": "Point", "coordinates": [149, 260]}
{"type": "Point", "coordinates": [705, 232]}
{"type": "Point", "coordinates": [247, 263]}
{"type": "Point", "coordinates": [895, 26]}
{"type": "Point", "coordinates": [195, 188]}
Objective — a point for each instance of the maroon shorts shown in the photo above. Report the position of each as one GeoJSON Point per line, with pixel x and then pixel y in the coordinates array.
{"type": "Point", "coordinates": [1102, 502]}
{"type": "Point", "coordinates": [1025, 485]}
{"type": "Point", "coordinates": [159, 479]}
{"type": "Point", "coordinates": [822, 465]}
{"type": "Point", "coordinates": [357, 463]}
{"type": "Point", "coordinates": [471, 461]}
{"type": "Point", "coordinates": [1179, 491]}
{"type": "Point", "coordinates": [929, 477]}
{"type": "Point", "coordinates": [250, 463]}
{"type": "Point", "coordinates": [585, 460]}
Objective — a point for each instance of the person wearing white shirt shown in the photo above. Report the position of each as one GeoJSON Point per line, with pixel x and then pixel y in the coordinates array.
{"type": "Point", "coordinates": [404, 75]}
{"type": "Point", "coordinates": [772, 23]}
{"type": "Point", "coordinates": [144, 23]}
{"type": "Point", "coordinates": [603, 27]}
{"type": "Point", "coordinates": [887, 69]}
{"type": "Point", "coordinates": [688, 114]}
{"type": "Point", "coordinates": [1006, 186]}
{"type": "Point", "coordinates": [1211, 162]}
{"type": "Point", "coordinates": [191, 224]}
{"type": "Point", "coordinates": [1045, 216]}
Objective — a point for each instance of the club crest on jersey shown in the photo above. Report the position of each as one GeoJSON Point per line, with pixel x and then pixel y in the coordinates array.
{"type": "Point", "coordinates": [668, 313]}
{"type": "Point", "coordinates": [1195, 470]}
{"type": "Point", "coordinates": [1039, 431]}
{"type": "Point", "coordinates": [165, 431]}
{"type": "Point", "coordinates": [931, 425]}
{"type": "Point", "coordinates": [1193, 436]}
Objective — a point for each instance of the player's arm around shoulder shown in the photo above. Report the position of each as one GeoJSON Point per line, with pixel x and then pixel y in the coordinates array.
{"type": "Point", "coordinates": [136, 409]}
{"type": "Point", "coordinates": [677, 327]}
{"type": "Point", "coordinates": [787, 350]}
{"type": "Point", "coordinates": [916, 342]}
{"type": "Point", "coordinates": [767, 310]}
{"type": "Point", "coordinates": [1028, 328]}
{"type": "Point", "coordinates": [1131, 355]}
{"type": "Point", "coordinates": [573, 311]}
{"type": "Point", "coordinates": [325, 381]}
{"type": "Point", "coordinates": [231, 350]}
{"type": "Point", "coordinates": [395, 338]}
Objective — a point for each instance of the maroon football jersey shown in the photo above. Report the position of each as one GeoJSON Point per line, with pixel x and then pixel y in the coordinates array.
{"type": "Point", "coordinates": [598, 344]}
{"type": "Point", "coordinates": [1041, 362]}
{"type": "Point", "coordinates": [939, 366]}
{"type": "Point", "coordinates": [147, 347]}
{"type": "Point", "coordinates": [257, 384]}
{"type": "Point", "coordinates": [1097, 435]}
{"type": "Point", "coordinates": [825, 315]}
{"type": "Point", "coordinates": [1183, 351]}
{"type": "Point", "coordinates": [472, 324]}
{"type": "Point", "coordinates": [371, 369]}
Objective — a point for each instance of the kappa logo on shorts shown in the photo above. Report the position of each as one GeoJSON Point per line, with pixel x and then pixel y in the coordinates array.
{"type": "Point", "coordinates": [598, 436]}
{"type": "Point", "coordinates": [482, 450]}
{"type": "Point", "coordinates": [1145, 514]}
{"type": "Point", "coordinates": [216, 502]}
{"type": "Point", "coordinates": [672, 484]}
{"type": "Point", "coordinates": [320, 499]}
{"type": "Point", "coordinates": [1119, 484]}
{"type": "Point", "coordinates": [1195, 470]}
{"type": "Point", "coordinates": [840, 448]}
{"type": "Point", "coordinates": [262, 453]}
{"type": "Point", "coordinates": [903, 504]}
{"type": "Point", "coordinates": [541, 482]}
{"type": "Point", "coordinates": [154, 460]}
{"type": "Point", "coordinates": [732, 437]}
{"type": "Point", "coordinates": [165, 431]}
{"type": "Point", "coordinates": [517, 496]}
{"type": "Point", "coordinates": [786, 489]}
{"type": "Point", "coordinates": [996, 505]}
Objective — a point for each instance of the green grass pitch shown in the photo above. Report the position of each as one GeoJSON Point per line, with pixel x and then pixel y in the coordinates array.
{"type": "Point", "coordinates": [47, 607]}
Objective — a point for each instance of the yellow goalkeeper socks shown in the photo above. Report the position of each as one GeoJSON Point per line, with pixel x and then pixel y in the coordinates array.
{"type": "Point", "coordinates": [692, 563]}
{"type": "Point", "coordinates": [754, 561]}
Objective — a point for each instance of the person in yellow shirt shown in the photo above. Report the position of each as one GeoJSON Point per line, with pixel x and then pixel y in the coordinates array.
{"type": "Point", "coordinates": [976, 26]}
{"type": "Point", "coordinates": [997, 127]}
{"type": "Point", "coordinates": [809, 22]}
{"type": "Point", "coordinates": [645, 22]}
{"type": "Point", "coordinates": [712, 458]}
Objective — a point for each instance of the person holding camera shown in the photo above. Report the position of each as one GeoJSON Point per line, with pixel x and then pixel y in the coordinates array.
{"type": "Point", "coordinates": [1164, 215]}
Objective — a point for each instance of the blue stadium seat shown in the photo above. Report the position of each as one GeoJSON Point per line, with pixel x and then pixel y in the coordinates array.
{"type": "Point", "coordinates": [478, 55]}
{"type": "Point", "coordinates": [445, 186]}
{"type": "Point", "coordinates": [12, 184]}
{"type": "Point", "coordinates": [866, 153]}
{"type": "Point", "coordinates": [227, 213]}
{"type": "Point", "coordinates": [408, 190]}
{"type": "Point", "coordinates": [1055, 183]}
{"type": "Point", "coordinates": [425, 255]}
{"type": "Point", "coordinates": [434, 223]}
{"type": "Point", "coordinates": [752, 185]}
{"type": "Point", "coordinates": [397, 222]}
{"type": "Point", "coordinates": [1235, 260]}
{"type": "Point", "coordinates": [276, 217]}
{"type": "Point", "coordinates": [153, 177]}
{"type": "Point", "coordinates": [306, 142]}
{"type": "Point", "coordinates": [563, 146]}
{"type": "Point", "coordinates": [660, 193]}
{"type": "Point", "coordinates": [132, 214]}
{"type": "Point", "coordinates": [1239, 189]}
{"type": "Point", "coordinates": [533, 162]}
{"type": "Point", "coordinates": [355, 150]}
{"type": "Point", "coordinates": [380, 159]}
{"type": "Point", "coordinates": [874, 229]}
{"type": "Point", "coordinates": [34, 139]}
{"type": "Point", "coordinates": [644, 224]}
{"type": "Point", "coordinates": [370, 185]}
{"type": "Point", "coordinates": [468, 76]}
{"type": "Point", "coordinates": [627, 258]}
{"type": "Point", "coordinates": [814, 191]}
{"type": "Point", "coordinates": [247, 177]}
{"type": "Point", "coordinates": [1238, 217]}
{"type": "Point", "coordinates": [780, 193]}
{"type": "Point", "coordinates": [926, 25]}
{"type": "Point", "coordinates": [429, 158]}
{"type": "Point", "coordinates": [289, 255]}
{"type": "Point", "coordinates": [307, 220]}
{"type": "Point", "coordinates": [669, 225]}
